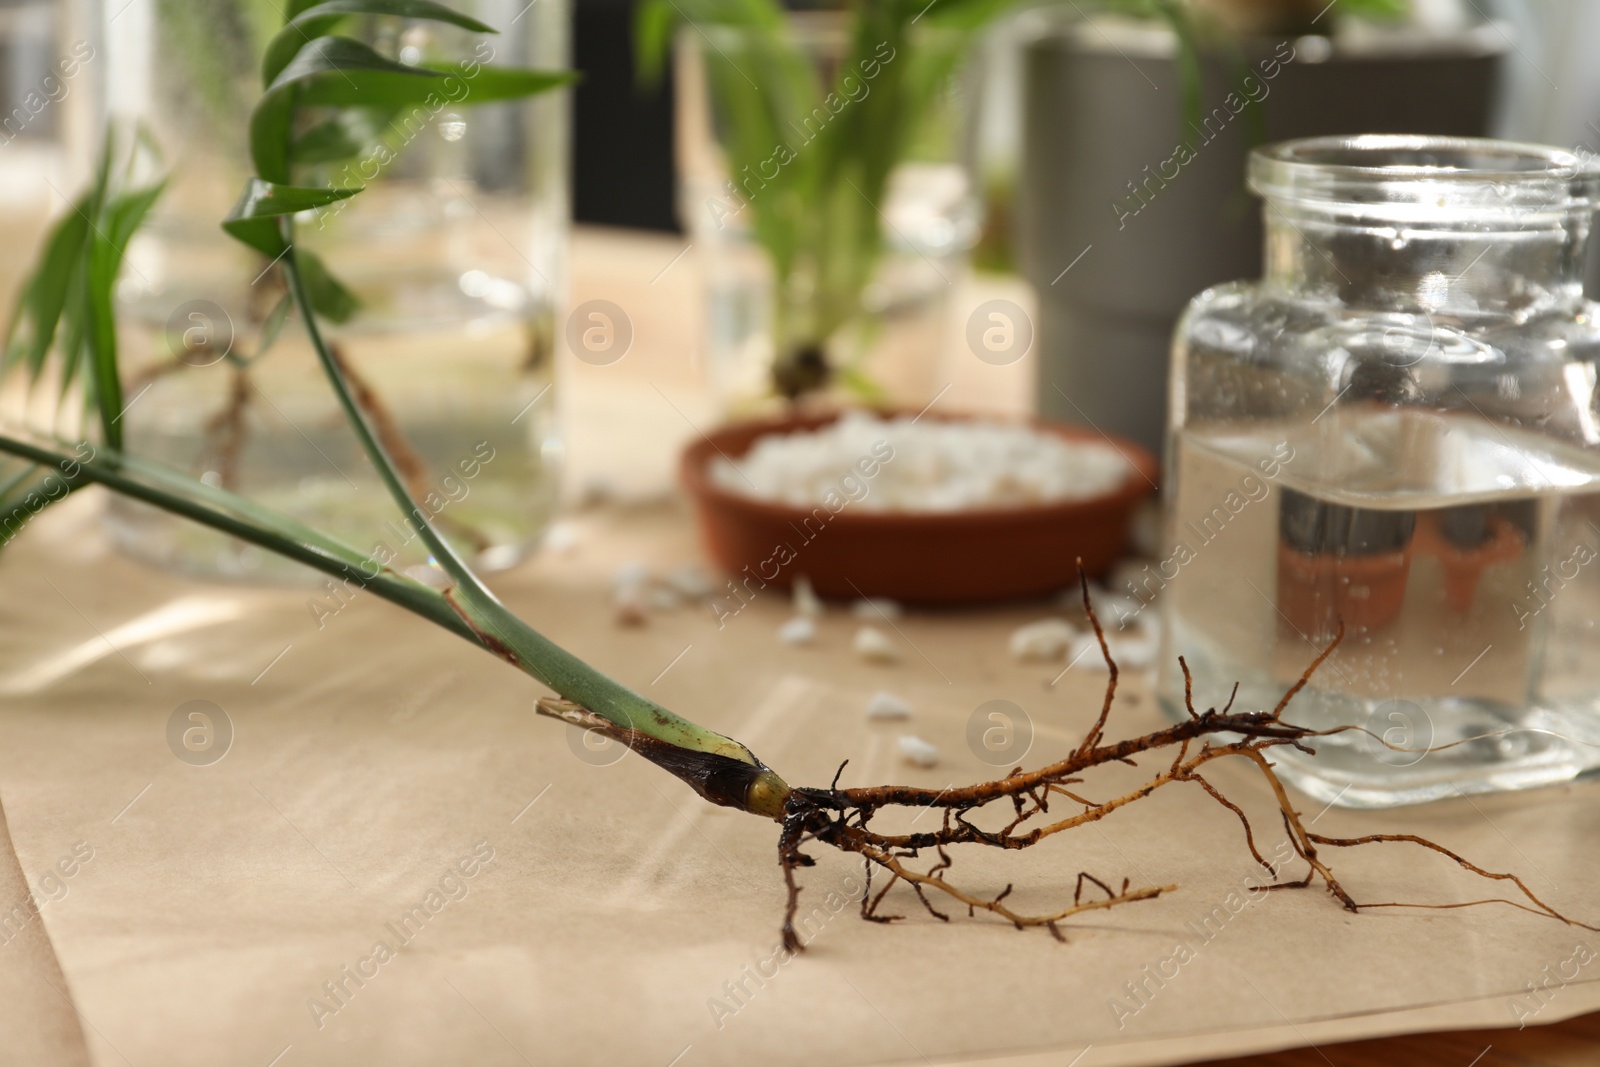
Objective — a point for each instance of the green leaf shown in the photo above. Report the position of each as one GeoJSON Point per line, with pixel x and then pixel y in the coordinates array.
{"type": "Point", "coordinates": [326, 142]}
{"type": "Point", "coordinates": [263, 199]}
{"type": "Point", "coordinates": [67, 304]}
{"type": "Point", "coordinates": [101, 336]}
{"type": "Point", "coordinates": [273, 327]}
{"type": "Point", "coordinates": [329, 298]}
{"type": "Point", "coordinates": [391, 88]}
{"type": "Point", "coordinates": [121, 218]}
{"type": "Point", "coordinates": [1382, 10]}
{"type": "Point", "coordinates": [511, 83]}
{"type": "Point", "coordinates": [72, 342]}
{"type": "Point", "coordinates": [1180, 20]}
{"type": "Point", "coordinates": [653, 24]}
{"type": "Point", "coordinates": [39, 306]}
{"type": "Point", "coordinates": [324, 59]}
{"type": "Point", "coordinates": [318, 20]}
{"type": "Point", "coordinates": [128, 211]}
{"type": "Point", "coordinates": [253, 219]}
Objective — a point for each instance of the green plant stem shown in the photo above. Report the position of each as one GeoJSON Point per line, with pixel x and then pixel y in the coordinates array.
{"type": "Point", "coordinates": [500, 631]}
{"type": "Point", "coordinates": [443, 553]}
{"type": "Point", "coordinates": [323, 553]}
{"type": "Point", "coordinates": [720, 769]}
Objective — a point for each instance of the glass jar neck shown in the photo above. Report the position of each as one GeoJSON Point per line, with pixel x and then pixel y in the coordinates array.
{"type": "Point", "coordinates": [1460, 226]}
{"type": "Point", "coordinates": [1452, 266]}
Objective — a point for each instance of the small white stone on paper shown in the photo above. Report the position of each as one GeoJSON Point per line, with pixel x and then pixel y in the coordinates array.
{"type": "Point", "coordinates": [662, 597]}
{"type": "Point", "coordinates": [634, 575]}
{"type": "Point", "coordinates": [561, 538]}
{"type": "Point", "coordinates": [1135, 653]}
{"type": "Point", "coordinates": [797, 631]}
{"type": "Point", "coordinates": [917, 752]}
{"type": "Point", "coordinates": [886, 706]}
{"type": "Point", "coordinates": [1085, 654]}
{"type": "Point", "coordinates": [690, 581]}
{"type": "Point", "coordinates": [1044, 641]}
{"type": "Point", "coordinates": [805, 598]}
{"type": "Point", "coordinates": [874, 646]}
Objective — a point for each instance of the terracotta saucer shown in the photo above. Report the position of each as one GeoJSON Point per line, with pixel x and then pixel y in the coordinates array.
{"type": "Point", "coordinates": [916, 558]}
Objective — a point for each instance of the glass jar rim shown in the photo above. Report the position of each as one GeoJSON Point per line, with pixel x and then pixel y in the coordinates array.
{"type": "Point", "coordinates": [1444, 174]}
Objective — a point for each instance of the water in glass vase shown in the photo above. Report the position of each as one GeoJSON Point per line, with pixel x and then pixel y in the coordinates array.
{"type": "Point", "coordinates": [465, 403]}
{"type": "Point", "coordinates": [1462, 557]}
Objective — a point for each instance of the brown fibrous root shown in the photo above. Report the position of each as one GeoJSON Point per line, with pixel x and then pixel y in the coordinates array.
{"type": "Point", "coordinates": [841, 817]}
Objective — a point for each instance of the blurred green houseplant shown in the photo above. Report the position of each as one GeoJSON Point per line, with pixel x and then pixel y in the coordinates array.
{"type": "Point", "coordinates": [811, 149]}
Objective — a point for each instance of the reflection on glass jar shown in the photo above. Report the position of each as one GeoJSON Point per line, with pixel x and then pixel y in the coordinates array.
{"type": "Point", "coordinates": [454, 254]}
{"type": "Point", "coordinates": [1392, 436]}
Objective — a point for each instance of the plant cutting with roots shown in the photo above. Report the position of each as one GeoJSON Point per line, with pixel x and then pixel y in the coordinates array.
{"type": "Point", "coordinates": [840, 817]}
{"type": "Point", "coordinates": [326, 72]}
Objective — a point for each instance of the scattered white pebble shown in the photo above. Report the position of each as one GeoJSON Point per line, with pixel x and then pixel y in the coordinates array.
{"type": "Point", "coordinates": [1123, 612]}
{"type": "Point", "coordinates": [1071, 598]}
{"type": "Point", "coordinates": [885, 705]}
{"type": "Point", "coordinates": [876, 607]}
{"type": "Point", "coordinates": [874, 646]}
{"type": "Point", "coordinates": [917, 752]}
{"type": "Point", "coordinates": [1115, 611]}
{"type": "Point", "coordinates": [561, 538]}
{"type": "Point", "coordinates": [1147, 623]}
{"type": "Point", "coordinates": [805, 598]}
{"type": "Point", "coordinates": [634, 575]}
{"type": "Point", "coordinates": [1042, 641]}
{"type": "Point", "coordinates": [1134, 653]}
{"type": "Point", "coordinates": [662, 597]}
{"type": "Point", "coordinates": [690, 581]}
{"type": "Point", "coordinates": [906, 464]}
{"type": "Point", "coordinates": [499, 557]}
{"type": "Point", "coordinates": [636, 590]}
{"type": "Point", "coordinates": [1085, 654]}
{"type": "Point", "coordinates": [1138, 573]}
{"type": "Point", "coordinates": [799, 630]}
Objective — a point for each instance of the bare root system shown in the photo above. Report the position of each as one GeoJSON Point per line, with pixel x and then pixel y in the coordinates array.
{"type": "Point", "coordinates": [922, 860]}
{"type": "Point", "coordinates": [227, 429]}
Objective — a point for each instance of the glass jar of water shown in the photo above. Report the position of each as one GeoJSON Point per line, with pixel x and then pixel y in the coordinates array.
{"type": "Point", "coordinates": [454, 252]}
{"type": "Point", "coordinates": [1395, 435]}
{"type": "Point", "coordinates": [823, 181]}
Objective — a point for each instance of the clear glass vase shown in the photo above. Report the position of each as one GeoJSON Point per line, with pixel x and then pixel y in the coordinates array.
{"type": "Point", "coordinates": [455, 253]}
{"type": "Point", "coordinates": [825, 189]}
{"type": "Point", "coordinates": [1393, 436]}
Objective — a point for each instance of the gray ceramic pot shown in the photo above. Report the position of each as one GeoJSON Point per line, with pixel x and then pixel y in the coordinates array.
{"type": "Point", "coordinates": [1126, 210]}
